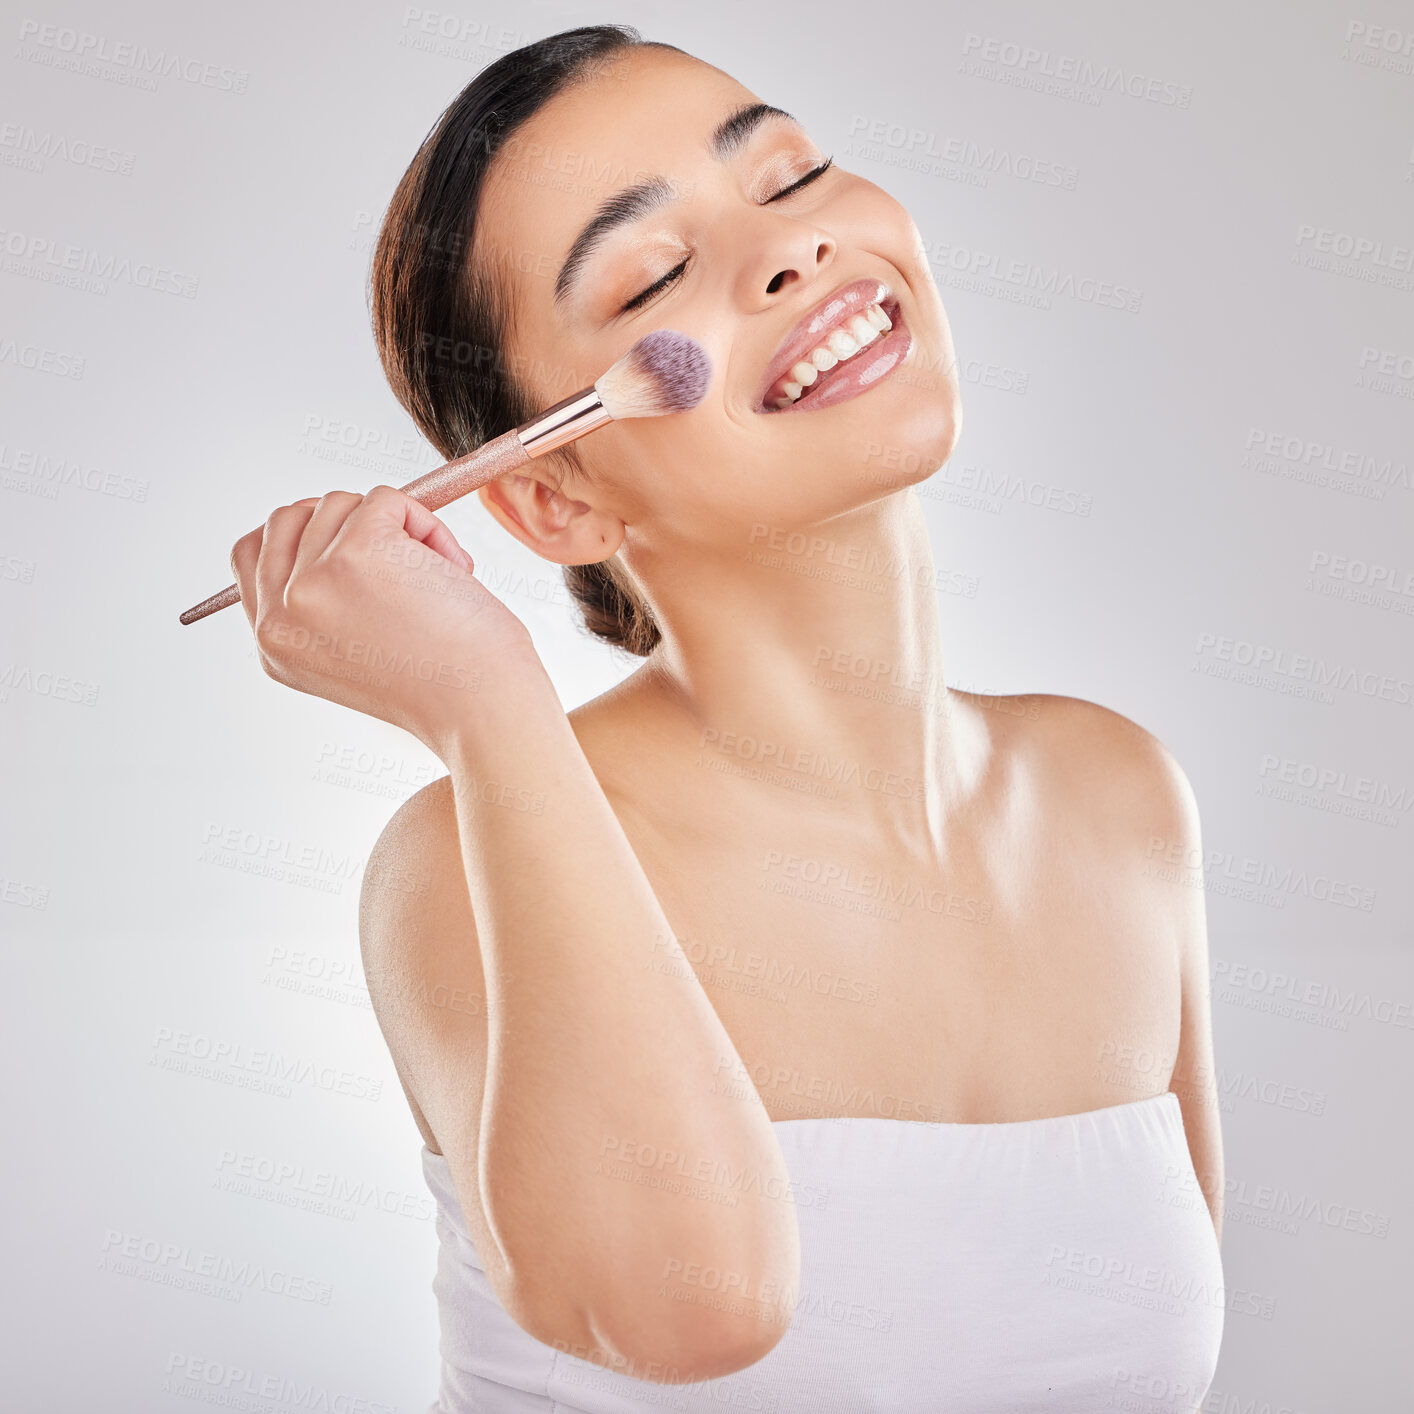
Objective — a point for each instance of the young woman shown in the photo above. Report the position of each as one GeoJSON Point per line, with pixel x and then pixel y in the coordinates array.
{"type": "Point", "coordinates": [785, 1029]}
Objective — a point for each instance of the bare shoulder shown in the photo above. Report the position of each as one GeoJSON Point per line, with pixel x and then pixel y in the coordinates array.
{"type": "Point", "coordinates": [407, 872]}
{"type": "Point", "coordinates": [1127, 813]}
{"type": "Point", "coordinates": [1109, 774]}
{"type": "Point", "coordinates": [1110, 823]}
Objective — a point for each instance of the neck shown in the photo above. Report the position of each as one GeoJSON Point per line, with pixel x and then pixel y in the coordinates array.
{"type": "Point", "coordinates": [818, 654]}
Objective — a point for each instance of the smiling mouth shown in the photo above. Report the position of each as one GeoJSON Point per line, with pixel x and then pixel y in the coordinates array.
{"type": "Point", "coordinates": [850, 357]}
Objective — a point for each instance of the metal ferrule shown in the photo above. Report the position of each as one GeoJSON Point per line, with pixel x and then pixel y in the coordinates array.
{"type": "Point", "coordinates": [570, 418]}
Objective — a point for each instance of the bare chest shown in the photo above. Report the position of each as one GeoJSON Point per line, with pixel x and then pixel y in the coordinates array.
{"type": "Point", "coordinates": [856, 987]}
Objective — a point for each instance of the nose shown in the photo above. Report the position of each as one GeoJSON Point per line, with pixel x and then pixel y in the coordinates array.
{"type": "Point", "coordinates": [789, 253]}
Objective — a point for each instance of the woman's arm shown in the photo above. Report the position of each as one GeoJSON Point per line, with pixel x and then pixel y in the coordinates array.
{"type": "Point", "coordinates": [1194, 1072]}
{"type": "Point", "coordinates": [598, 1059]}
{"type": "Point", "coordinates": [581, 1105]}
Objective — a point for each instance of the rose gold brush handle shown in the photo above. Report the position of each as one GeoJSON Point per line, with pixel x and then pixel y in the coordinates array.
{"type": "Point", "coordinates": [437, 488]}
{"type": "Point", "coordinates": [664, 372]}
{"type": "Point", "coordinates": [568, 419]}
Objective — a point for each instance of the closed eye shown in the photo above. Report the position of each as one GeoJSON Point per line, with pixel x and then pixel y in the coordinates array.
{"type": "Point", "coordinates": [813, 175]}
{"type": "Point", "coordinates": [643, 296]}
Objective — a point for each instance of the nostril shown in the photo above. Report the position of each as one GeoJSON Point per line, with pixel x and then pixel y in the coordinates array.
{"type": "Point", "coordinates": [777, 280]}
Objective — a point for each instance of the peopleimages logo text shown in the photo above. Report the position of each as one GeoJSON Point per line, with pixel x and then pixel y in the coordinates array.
{"type": "Point", "coordinates": [1304, 668]}
{"type": "Point", "coordinates": [78, 49]}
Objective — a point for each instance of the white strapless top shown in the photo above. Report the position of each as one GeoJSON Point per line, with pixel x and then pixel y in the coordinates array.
{"type": "Point", "coordinates": [1055, 1264]}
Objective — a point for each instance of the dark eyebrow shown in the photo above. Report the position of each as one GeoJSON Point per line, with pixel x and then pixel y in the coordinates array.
{"type": "Point", "coordinates": [731, 135]}
{"type": "Point", "coordinates": [635, 202]}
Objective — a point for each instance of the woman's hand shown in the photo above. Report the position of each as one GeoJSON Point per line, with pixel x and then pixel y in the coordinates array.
{"type": "Point", "coordinates": [368, 600]}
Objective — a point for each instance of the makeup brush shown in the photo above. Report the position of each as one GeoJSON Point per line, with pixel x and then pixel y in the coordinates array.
{"type": "Point", "coordinates": [663, 372]}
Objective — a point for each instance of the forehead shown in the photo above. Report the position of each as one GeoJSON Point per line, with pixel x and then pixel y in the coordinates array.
{"type": "Point", "coordinates": [639, 113]}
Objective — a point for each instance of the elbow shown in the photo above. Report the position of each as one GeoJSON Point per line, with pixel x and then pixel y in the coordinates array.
{"type": "Point", "coordinates": [693, 1344]}
{"type": "Point", "coordinates": [664, 1341]}
{"type": "Point", "coordinates": [667, 1307]}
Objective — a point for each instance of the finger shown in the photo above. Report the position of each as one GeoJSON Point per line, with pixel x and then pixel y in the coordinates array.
{"type": "Point", "coordinates": [277, 553]}
{"type": "Point", "coordinates": [329, 514]}
{"type": "Point", "coordinates": [387, 510]}
{"type": "Point", "coordinates": [441, 540]}
{"type": "Point", "coordinates": [244, 554]}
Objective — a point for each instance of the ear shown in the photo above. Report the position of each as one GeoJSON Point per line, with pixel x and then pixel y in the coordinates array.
{"type": "Point", "coordinates": [557, 527]}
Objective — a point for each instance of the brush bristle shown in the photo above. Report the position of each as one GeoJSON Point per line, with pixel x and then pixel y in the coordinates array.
{"type": "Point", "coordinates": [663, 372]}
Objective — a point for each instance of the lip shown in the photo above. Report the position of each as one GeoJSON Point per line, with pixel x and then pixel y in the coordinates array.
{"type": "Point", "coordinates": [837, 308]}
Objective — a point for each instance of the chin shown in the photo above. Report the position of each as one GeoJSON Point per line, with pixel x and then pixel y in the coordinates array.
{"type": "Point", "coordinates": [908, 440]}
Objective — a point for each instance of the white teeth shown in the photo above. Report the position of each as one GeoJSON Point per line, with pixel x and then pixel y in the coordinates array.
{"type": "Point", "coordinates": [862, 330]}
{"type": "Point", "coordinates": [841, 343]}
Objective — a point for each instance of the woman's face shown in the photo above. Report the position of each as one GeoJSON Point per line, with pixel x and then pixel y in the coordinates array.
{"type": "Point", "coordinates": [736, 253]}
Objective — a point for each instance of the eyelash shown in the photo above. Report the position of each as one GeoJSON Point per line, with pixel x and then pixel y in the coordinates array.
{"type": "Point", "coordinates": [643, 296]}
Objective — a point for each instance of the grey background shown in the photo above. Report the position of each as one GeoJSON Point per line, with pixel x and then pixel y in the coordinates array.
{"type": "Point", "coordinates": [1145, 540]}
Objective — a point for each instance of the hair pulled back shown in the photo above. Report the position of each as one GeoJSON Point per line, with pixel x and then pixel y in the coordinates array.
{"type": "Point", "coordinates": [439, 302]}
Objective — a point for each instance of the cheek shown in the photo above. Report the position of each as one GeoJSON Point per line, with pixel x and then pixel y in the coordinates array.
{"type": "Point", "coordinates": [704, 477]}
{"type": "Point", "coordinates": [661, 470]}
{"type": "Point", "coordinates": [870, 219]}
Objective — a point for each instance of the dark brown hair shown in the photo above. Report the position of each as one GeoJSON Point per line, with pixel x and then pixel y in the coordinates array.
{"type": "Point", "coordinates": [439, 304]}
